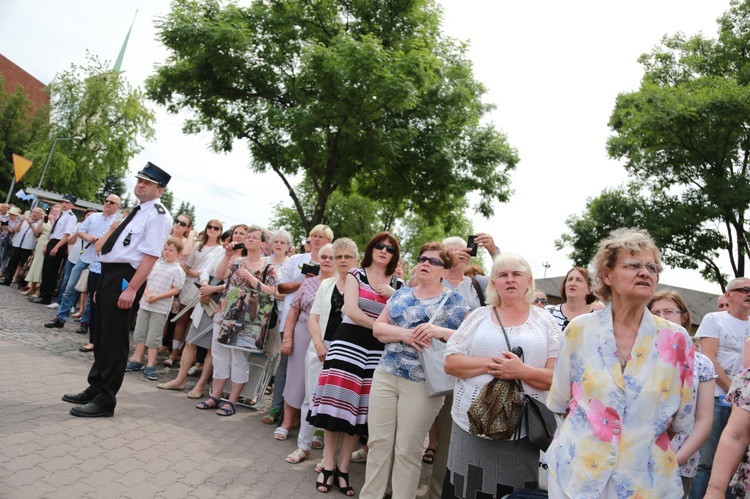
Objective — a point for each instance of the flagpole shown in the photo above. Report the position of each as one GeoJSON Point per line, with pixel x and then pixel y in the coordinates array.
{"type": "Point", "coordinates": [10, 191]}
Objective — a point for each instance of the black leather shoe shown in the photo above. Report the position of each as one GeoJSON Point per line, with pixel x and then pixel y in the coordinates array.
{"type": "Point", "coordinates": [78, 398]}
{"type": "Point", "coordinates": [82, 329]}
{"type": "Point", "coordinates": [91, 410]}
{"type": "Point", "coordinates": [4, 283]}
{"type": "Point", "coordinates": [39, 300]}
{"type": "Point", "coordinates": [55, 324]}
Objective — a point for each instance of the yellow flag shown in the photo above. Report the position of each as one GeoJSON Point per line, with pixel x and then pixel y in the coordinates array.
{"type": "Point", "coordinates": [20, 166]}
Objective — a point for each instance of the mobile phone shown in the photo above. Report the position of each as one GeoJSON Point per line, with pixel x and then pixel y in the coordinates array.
{"type": "Point", "coordinates": [4, 223]}
{"type": "Point", "coordinates": [239, 246]}
{"type": "Point", "coordinates": [471, 244]}
{"type": "Point", "coordinates": [310, 268]}
{"type": "Point", "coordinates": [118, 217]}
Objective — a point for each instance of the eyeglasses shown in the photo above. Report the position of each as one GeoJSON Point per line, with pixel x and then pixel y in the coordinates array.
{"type": "Point", "coordinates": [107, 201]}
{"type": "Point", "coordinates": [381, 245]}
{"type": "Point", "coordinates": [666, 312]}
{"type": "Point", "coordinates": [543, 301]}
{"type": "Point", "coordinates": [637, 265]}
{"type": "Point", "coordinates": [326, 257]}
{"type": "Point", "coordinates": [212, 227]}
{"type": "Point", "coordinates": [344, 257]}
{"type": "Point", "coordinates": [436, 262]}
{"type": "Point", "coordinates": [181, 223]}
{"type": "Point", "coordinates": [744, 290]}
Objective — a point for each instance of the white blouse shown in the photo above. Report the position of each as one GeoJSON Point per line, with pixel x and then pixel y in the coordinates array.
{"type": "Point", "coordinates": [478, 336]}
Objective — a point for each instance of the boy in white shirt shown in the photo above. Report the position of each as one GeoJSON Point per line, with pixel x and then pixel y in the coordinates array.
{"type": "Point", "coordinates": [164, 282]}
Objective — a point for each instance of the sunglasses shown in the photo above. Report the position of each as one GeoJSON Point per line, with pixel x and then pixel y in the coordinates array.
{"type": "Point", "coordinates": [107, 201]}
{"type": "Point", "coordinates": [345, 257]}
{"type": "Point", "coordinates": [436, 262]}
{"type": "Point", "coordinates": [543, 301]}
{"type": "Point", "coordinates": [380, 245]}
{"type": "Point", "coordinates": [326, 257]}
{"type": "Point", "coordinates": [744, 290]}
{"type": "Point", "coordinates": [180, 223]}
{"type": "Point", "coordinates": [212, 227]}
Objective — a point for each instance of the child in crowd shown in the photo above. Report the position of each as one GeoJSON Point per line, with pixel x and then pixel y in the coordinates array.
{"type": "Point", "coordinates": [164, 282]}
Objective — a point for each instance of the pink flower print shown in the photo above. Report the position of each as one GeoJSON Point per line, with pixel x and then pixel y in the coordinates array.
{"type": "Point", "coordinates": [604, 421]}
{"type": "Point", "coordinates": [671, 346]}
{"type": "Point", "coordinates": [662, 441]}
{"type": "Point", "coordinates": [577, 393]}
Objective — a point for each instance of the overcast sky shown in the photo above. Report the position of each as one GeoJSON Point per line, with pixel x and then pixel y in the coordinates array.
{"type": "Point", "coordinates": [553, 69]}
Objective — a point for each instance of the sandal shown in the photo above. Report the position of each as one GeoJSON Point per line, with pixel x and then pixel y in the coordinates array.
{"type": "Point", "coordinates": [226, 411]}
{"type": "Point", "coordinates": [347, 490]}
{"type": "Point", "coordinates": [297, 456]}
{"type": "Point", "coordinates": [203, 405]}
{"type": "Point", "coordinates": [359, 456]}
{"type": "Point", "coordinates": [324, 486]}
{"type": "Point", "coordinates": [317, 441]}
{"type": "Point", "coordinates": [429, 456]}
{"type": "Point", "coordinates": [171, 363]}
{"type": "Point", "coordinates": [272, 416]}
{"type": "Point", "coordinates": [165, 386]}
{"type": "Point", "coordinates": [319, 466]}
{"type": "Point", "coordinates": [195, 394]}
{"type": "Point", "coordinates": [280, 433]}
{"type": "Point", "coordinates": [269, 389]}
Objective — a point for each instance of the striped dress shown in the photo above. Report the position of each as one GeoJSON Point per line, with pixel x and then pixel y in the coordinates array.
{"type": "Point", "coordinates": [342, 396]}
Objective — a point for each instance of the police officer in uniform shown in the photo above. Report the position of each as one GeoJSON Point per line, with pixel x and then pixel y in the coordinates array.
{"type": "Point", "coordinates": [56, 251]}
{"type": "Point", "coordinates": [127, 256]}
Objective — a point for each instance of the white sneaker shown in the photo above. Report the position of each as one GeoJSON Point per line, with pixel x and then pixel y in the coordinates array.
{"type": "Point", "coordinates": [359, 456]}
{"type": "Point", "coordinates": [53, 305]}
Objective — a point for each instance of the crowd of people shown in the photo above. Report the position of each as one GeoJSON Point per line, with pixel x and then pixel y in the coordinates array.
{"type": "Point", "coordinates": [642, 408]}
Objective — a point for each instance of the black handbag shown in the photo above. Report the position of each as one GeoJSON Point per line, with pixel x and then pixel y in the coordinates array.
{"type": "Point", "coordinates": [538, 421]}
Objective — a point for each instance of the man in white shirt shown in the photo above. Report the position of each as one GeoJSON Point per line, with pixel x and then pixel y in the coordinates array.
{"type": "Point", "coordinates": [23, 244]}
{"type": "Point", "coordinates": [56, 251]}
{"type": "Point", "coordinates": [722, 336]}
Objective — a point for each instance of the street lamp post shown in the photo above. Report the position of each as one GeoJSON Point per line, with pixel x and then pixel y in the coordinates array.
{"type": "Point", "coordinates": [39, 186]}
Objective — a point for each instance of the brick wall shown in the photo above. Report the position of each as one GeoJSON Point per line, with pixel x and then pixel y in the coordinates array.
{"type": "Point", "coordinates": [15, 76]}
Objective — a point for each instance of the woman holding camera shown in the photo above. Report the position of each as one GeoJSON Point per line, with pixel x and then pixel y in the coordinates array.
{"type": "Point", "coordinates": [477, 353]}
{"type": "Point", "coordinates": [247, 298]}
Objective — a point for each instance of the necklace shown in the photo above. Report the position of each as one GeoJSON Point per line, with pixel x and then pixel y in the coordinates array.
{"type": "Point", "coordinates": [455, 282]}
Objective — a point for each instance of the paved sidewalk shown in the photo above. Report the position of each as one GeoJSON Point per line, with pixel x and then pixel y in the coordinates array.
{"type": "Point", "coordinates": [156, 445]}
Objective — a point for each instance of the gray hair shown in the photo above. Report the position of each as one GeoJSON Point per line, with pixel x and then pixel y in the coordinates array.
{"type": "Point", "coordinates": [281, 234]}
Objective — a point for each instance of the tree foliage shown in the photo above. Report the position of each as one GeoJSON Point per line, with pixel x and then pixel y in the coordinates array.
{"type": "Point", "coordinates": [685, 138]}
{"type": "Point", "coordinates": [20, 127]}
{"type": "Point", "coordinates": [107, 116]}
{"type": "Point", "coordinates": [364, 95]}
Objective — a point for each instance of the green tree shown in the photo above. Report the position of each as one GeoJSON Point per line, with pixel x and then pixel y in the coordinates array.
{"type": "Point", "coordinates": [167, 199]}
{"type": "Point", "coordinates": [685, 138]}
{"type": "Point", "coordinates": [187, 209]}
{"type": "Point", "coordinates": [20, 127]}
{"type": "Point", "coordinates": [366, 94]}
{"type": "Point", "coordinates": [106, 114]}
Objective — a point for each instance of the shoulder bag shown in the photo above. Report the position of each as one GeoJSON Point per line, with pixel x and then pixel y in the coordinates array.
{"type": "Point", "coordinates": [432, 359]}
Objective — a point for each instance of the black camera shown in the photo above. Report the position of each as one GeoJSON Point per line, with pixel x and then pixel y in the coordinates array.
{"type": "Point", "coordinates": [518, 351]}
{"type": "Point", "coordinates": [310, 268]}
{"type": "Point", "coordinates": [239, 246]}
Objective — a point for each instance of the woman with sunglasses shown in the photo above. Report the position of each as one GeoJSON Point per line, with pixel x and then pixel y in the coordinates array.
{"type": "Point", "coordinates": [351, 361]}
{"type": "Point", "coordinates": [400, 411]}
{"type": "Point", "coordinates": [202, 254]}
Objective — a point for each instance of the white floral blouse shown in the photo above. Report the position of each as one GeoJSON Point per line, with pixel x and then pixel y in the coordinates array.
{"type": "Point", "coordinates": [617, 422]}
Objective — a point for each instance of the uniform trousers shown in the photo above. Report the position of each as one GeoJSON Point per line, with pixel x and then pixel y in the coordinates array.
{"type": "Point", "coordinates": [111, 342]}
{"type": "Point", "coordinates": [51, 270]}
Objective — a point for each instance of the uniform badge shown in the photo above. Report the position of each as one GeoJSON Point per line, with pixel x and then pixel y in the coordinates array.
{"type": "Point", "coordinates": [160, 209]}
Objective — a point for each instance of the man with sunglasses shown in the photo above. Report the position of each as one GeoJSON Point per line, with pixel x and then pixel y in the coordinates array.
{"type": "Point", "coordinates": [127, 255]}
{"type": "Point", "coordinates": [94, 227]}
{"type": "Point", "coordinates": [722, 336]}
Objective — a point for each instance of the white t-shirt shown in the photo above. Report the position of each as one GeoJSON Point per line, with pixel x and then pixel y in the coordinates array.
{"type": "Point", "coordinates": [75, 249]}
{"type": "Point", "coordinates": [731, 333]}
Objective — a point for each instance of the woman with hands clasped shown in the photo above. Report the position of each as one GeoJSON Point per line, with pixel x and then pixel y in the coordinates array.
{"type": "Point", "coordinates": [401, 412]}
{"type": "Point", "coordinates": [477, 353]}
{"type": "Point", "coordinates": [246, 300]}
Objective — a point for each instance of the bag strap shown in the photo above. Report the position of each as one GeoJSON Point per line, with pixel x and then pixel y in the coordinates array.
{"type": "Point", "coordinates": [479, 290]}
{"type": "Point", "coordinates": [507, 342]}
{"type": "Point", "coordinates": [439, 309]}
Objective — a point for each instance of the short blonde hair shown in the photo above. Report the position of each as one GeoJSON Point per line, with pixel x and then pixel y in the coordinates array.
{"type": "Point", "coordinates": [509, 261]}
{"type": "Point", "coordinates": [630, 239]}
{"type": "Point", "coordinates": [323, 229]}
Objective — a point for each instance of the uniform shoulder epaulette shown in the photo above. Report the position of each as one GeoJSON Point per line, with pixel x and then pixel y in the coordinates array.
{"type": "Point", "coordinates": [160, 209]}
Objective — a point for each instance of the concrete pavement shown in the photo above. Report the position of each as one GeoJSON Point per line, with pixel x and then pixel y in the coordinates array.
{"type": "Point", "coordinates": [156, 445]}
